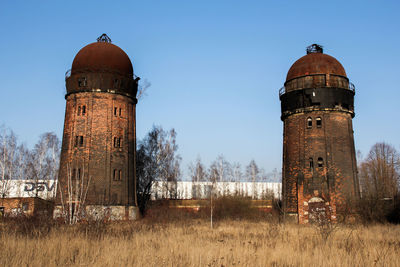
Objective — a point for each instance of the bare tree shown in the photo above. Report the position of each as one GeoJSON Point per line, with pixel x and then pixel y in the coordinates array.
{"type": "Point", "coordinates": [252, 173]}
{"type": "Point", "coordinates": [9, 155]}
{"type": "Point", "coordinates": [44, 159]}
{"type": "Point", "coordinates": [73, 200]}
{"type": "Point", "coordinates": [198, 173]}
{"type": "Point", "coordinates": [142, 90]}
{"type": "Point", "coordinates": [379, 173]}
{"type": "Point", "coordinates": [157, 160]}
{"type": "Point", "coordinates": [379, 177]}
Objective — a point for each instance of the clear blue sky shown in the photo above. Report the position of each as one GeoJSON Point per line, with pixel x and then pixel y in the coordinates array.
{"type": "Point", "coordinates": [215, 66]}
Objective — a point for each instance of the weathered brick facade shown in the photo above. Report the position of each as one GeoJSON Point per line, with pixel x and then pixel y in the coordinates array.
{"type": "Point", "coordinates": [26, 206]}
{"type": "Point", "coordinates": [319, 175]}
{"type": "Point", "coordinates": [99, 139]}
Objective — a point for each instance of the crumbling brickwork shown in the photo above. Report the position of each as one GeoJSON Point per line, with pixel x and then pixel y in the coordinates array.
{"type": "Point", "coordinates": [319, 166]}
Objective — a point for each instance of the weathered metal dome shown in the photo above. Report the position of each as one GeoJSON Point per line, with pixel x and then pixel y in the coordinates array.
{"type": "Point", "coordinates": [102, 56]}
{"type": "Point", "coordinates": [315, 62]}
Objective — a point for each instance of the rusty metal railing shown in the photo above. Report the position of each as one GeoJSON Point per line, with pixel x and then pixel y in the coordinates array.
{"type": "Point", "coordinates": [347, 85]}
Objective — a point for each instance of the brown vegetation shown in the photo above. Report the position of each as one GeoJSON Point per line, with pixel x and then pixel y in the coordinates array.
{"type": "Point", "coordinates": [191, 242]}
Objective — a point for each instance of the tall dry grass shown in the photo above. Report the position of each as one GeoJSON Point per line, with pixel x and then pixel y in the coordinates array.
{"type": "Point", "coordinates": [193, 243]}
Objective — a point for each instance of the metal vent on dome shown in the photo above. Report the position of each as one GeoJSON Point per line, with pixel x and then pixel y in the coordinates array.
{"type": "Point", "coordinates": [104, 39]}
{"type": "Point", "coordinates": [315, 48]}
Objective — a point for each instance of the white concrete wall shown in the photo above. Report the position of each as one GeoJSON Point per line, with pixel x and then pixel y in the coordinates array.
{"type": "Point", "coordinates": [45, 189]}
{"type": "Point", "coordinates": [201, 190]}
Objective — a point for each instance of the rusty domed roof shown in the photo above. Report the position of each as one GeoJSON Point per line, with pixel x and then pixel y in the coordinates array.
{"type": "Point", "coordinates": [315, 63]}
{"type": "Point", "coordinates": [102, 56]}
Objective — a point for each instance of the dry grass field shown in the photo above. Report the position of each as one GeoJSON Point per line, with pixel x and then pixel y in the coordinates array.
{"type": "Point", "coordinates": [193, 243]}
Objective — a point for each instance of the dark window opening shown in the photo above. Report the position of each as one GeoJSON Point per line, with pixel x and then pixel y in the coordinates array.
{"type": "Point", "coordinates": [117, 142]}
{"type": "Point", "coordinates": [81, 140]}
{"type": "Point", "coordinates": [82, 81]}
{"type": "Point", "coordinates": [309, 122]}
{"type": "Point", "coordinates": [83, 110]}
{"type": "Point", "coordinates": [311, 164]}
{"type": "Point", "coordinates": [319, 122]}
{"type": "Point", "coordinates": [25, 206]}
{"type": "Point", "coordinates": [120, 112]}
{"type": "Point", "coordinates": [78, 174]}
{"type": "Point", "coordinates": [79, 110]}
{"type": "Point", "coordinates": [320, 162]}
{"type": "Point", "coordinates": [116, 82]}
{"type": "Point", "coordinates": [115, 175]}
{"type": "Point", "coordinates": [115, 111]}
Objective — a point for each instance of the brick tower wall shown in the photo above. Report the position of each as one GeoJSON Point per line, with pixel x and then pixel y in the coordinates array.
{"type": "Point", "coordinates": [318, 146]}
{"type": "Point", "coordinates": [105, 158]}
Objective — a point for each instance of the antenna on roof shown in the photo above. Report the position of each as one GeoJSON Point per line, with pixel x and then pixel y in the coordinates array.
{"type": "Point", "coordinates": [104, 39]}
{"type": "Point", "coordinates": [315, 48]}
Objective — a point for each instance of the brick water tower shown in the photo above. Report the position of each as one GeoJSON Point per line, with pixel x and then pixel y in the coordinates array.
{"type": "Point", "coordinates": [97, 167]}
{"type": "Point", "coordinates": [319, 172]}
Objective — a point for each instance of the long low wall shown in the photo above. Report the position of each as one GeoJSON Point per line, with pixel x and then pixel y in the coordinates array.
{"type": "Point", "coordinates": [202, 190]}
{"type": "Point", "coordinates": [46, 189]}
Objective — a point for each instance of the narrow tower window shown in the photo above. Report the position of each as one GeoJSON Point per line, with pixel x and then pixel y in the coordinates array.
{"type": "Point", "coordinates": [309, 122]}
{"type": "Point", "coordinates": [320, 162]}
{"type": "Point", "coordinates": [117, 142]}
{"type": "Point", "coordinates": [81, 140]}
{"type": "Point", "coordinates": [82, 81]}
{"type": "Point", "coordinates": [120, 112]}
{"type": "Point", "coordinates": [115, 111]}
{"type": "Point", "coordinates": [119, 175]}
{"type": "Point", "coordinates": [83, 110]}
{"type": "Point", "coordinates": [319, 122]}
{"type": "Point", "coordinates": [115, 175]}
{"type": "Point", "coordinates": [311, 164]}
{"type": "Point", "coordinates": [79, 110]}
{"type": "Point", "coordinates": [116, 82]}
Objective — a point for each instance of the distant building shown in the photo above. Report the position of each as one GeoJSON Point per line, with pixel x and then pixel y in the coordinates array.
{"type": "Point", "coordinates": [45, 189]}
{"type": "Point", "coordinates": [319, 172]}
{"type": "Point", "coordinates": [97, 164]}
{"type": "Point", "coordinates": [202, 190]}
{"type": "Point", "coordinates": [25, 206]}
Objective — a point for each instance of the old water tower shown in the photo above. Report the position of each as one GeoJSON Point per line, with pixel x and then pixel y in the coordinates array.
{"type": "Point", "coordinates": [97, 166]}
{"type": "Point", "coordinates": [319, 172]}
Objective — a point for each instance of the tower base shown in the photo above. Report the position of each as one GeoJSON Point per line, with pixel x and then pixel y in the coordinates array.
{"type": "Point", "coordinates": [102, 213]}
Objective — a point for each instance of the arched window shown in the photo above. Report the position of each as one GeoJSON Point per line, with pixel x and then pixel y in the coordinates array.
{"type": "Point", "coordinates": [319, 122]}
{"type": "Point", "coordinates": [320, 162]}
{"type": "Point", "coordinates": [311, 164]}
{"type": "Point", "coordinates": [309, 122]}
